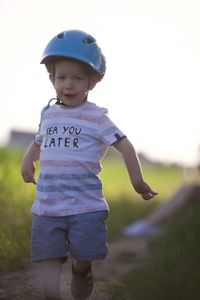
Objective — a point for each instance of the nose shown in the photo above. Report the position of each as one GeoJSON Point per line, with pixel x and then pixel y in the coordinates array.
{"type": "Point", "coordinates": [69, 83]}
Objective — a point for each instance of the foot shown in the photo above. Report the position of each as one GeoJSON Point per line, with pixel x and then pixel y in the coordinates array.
{"type": "Point", "coordinates": [141, 229]}
{"type": "Point", "coordinates": [82, 284]}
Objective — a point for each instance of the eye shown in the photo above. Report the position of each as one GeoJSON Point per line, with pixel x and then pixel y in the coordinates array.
{"type": "Point", "coordinates": [78, 77]}
{"type": "Point", "coordinates": [60, 77]}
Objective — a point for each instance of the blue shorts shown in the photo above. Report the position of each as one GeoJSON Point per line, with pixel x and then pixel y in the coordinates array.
{"type": "Point", "coordinates": [84, 236]}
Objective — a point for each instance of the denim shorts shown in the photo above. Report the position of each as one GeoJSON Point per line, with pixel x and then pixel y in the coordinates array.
{"type": "Point", "coordinates": [84, 236]}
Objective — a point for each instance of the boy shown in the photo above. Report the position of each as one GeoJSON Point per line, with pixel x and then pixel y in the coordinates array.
{"type": "Point", "coordinates": [74, 135]}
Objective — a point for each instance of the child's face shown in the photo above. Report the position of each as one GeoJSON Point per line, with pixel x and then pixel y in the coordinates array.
{"type": "Point", "coordinates": [71, 83]}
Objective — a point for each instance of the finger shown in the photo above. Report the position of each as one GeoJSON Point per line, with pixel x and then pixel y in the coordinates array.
{"type": "Point", "coordinates": [147, 196]}
{"type": "Point", "coordinates": [32, 180]}
{"type": "Point", "coordinates": [151, 192]}
{"type": "Point", "coordinates": [29, 178]}
{"type": "Point", "coordinates": [154, 193]}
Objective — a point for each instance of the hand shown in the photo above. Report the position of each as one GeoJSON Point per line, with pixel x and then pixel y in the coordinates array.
{"type": "Point", "coordinates": [145, 191]}
{"type": "Point", "coordinates": [149, 195]}
{"type": "Point", "coordinates": [28, 171]}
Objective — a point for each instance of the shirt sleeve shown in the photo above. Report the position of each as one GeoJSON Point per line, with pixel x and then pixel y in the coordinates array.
{"type": "Point", "coordinates": [38, 139]}
{"type": "Point", "coordinates": [109, 133]}
{"type": "Point", "coordinates": [38, 136]}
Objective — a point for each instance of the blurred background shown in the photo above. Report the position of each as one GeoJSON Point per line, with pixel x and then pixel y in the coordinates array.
{"type": "Point", "coordinates": [152, 92]}
{"type": "Point", "coordinates": [151, 87]}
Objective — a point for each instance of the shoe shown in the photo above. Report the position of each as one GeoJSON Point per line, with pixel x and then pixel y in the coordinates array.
{"type": "Point", "coordinates": [141, 229]}
{"type": "Point", "coordinates": [82, 284]}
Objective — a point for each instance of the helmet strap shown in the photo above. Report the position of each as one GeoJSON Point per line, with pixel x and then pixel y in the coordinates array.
{"type": "Point", "coordinates": [53, 72]}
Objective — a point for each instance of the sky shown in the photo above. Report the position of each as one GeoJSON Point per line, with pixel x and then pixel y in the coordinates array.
{"type": "Point", "coordinates": [152, 83]}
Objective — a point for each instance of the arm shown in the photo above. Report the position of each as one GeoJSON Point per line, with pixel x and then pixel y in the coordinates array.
{"type": "Point", "coordinates": [28, 165]}
{"type": "Point", "coordinates": [134, 169]}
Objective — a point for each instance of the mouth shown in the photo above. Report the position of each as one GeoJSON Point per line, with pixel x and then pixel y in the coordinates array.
{"type": "Point", "coordinates": [69, 95]}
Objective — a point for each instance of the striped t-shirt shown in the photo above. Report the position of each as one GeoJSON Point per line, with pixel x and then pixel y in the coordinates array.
{"type": "Point", "coordinates": [73, 142]}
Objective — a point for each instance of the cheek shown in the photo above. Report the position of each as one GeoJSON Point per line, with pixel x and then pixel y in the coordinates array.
{"type": "Point", "coordinates": [57, 87]}
{"type": "Point", "coordinates": [58, 91]}
{"type": "Point", "coordinates": [83, 88]}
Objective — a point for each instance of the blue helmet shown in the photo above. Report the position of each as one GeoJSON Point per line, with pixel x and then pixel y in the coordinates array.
{"type": "Point", "coordinates": [77, 45]}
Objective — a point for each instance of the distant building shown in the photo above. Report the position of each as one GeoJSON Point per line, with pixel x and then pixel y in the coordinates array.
{"type": "Point", "coordinates": [20, 139]}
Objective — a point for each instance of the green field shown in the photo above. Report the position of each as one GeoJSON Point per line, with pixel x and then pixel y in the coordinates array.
{"type": "Point", "coordinates": [163, 178]}
{"type": "Point", "coordinates": [17, 197]}
{"type": "Point", "coordinates": [172, 270]}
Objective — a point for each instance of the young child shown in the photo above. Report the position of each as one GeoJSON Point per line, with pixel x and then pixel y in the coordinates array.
{"type": "Point", "coordinates": [74, 134]}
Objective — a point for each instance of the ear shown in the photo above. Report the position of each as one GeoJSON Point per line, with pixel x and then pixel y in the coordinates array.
{"type": "Point", "coordinates": [92, 85]}
{"type": "Point", "coordinates": [93, 82]}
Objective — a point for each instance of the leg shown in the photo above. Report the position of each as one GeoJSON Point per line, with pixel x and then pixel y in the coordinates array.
{"type": "Point", "coordinates": [48, 238]}
{"type": "Point", "coordinates": [162, 214]}
{"type": "Point", "coordinates": [80, 266]}
{"type": "Point", "coordinates": [172, 206]}
{"type": "Point", "coordinates": [82, 279]}
{"type": "Point", "coordinates": [50, 274]}
{"type": "Point", "coordinates": [87, 235]}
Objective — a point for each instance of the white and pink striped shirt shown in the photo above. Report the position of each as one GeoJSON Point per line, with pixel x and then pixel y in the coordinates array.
{"type": "Point", "coordinates": [73, 142]}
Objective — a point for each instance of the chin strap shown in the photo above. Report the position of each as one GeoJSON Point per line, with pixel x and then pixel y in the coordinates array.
{"type": "Point", "coordinates": [45, 108]}
{"type": "Point", "coordinates": [58, 102]}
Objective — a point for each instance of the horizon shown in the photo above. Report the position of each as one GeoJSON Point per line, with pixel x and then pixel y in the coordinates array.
{"type": "Point", "coordinates": [151, 87]}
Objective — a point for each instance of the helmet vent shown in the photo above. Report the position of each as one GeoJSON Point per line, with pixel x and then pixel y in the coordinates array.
{"type": "Point", "coordinates": [60, 35]}
{"type": "Point", "coordinates": [89, 40]}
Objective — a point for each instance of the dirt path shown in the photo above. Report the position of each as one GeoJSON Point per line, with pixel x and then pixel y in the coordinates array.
{"type": "Point", "coordinates": [124, 254]}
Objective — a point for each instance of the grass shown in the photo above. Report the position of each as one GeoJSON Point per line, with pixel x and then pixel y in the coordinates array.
{"type": "Point", "coordinates": [163, 178]}
{"type": "Point", "coordinates": [125, 205]}
{"type": "Point", "coordinates": [16, 199]}
{"type": "Point", "coordinates": [15, 216]}
{"type": "Point", "coordinates": [173, 268]}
